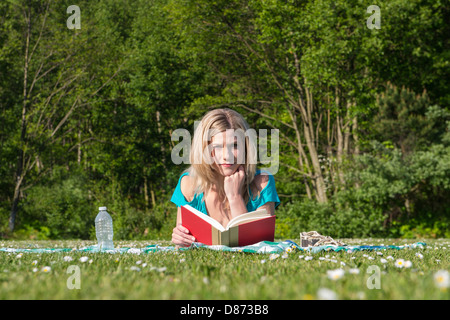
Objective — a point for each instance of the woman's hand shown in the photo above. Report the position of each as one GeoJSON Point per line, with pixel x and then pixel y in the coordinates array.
{"type": "Point", "coordinates": [233, 184]}
{"type": "Point", "coordinates": [182, 237]}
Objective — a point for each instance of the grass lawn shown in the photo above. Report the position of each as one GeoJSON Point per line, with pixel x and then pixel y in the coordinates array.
{"type": "Point", "coordinates": [206, 274]}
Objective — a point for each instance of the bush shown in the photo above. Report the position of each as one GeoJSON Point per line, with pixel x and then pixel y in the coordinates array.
{"type": "Point", "coordinates": [60, 208]}
{"type": "Point", "coordinates": [328, 219]}
{"type": "Point", "coordinates": [385, 194]}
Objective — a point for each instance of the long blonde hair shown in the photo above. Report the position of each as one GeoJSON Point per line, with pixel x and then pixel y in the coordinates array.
{"type": "Point", "coordinates": [203, 173]}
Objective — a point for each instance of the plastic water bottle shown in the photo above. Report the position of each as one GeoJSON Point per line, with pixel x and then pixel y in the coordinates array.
{"type": "Point", "coordinates": [104, 230]}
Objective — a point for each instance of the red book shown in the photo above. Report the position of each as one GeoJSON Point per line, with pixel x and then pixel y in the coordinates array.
{"type": "Point", "coordinates": [246, 229]}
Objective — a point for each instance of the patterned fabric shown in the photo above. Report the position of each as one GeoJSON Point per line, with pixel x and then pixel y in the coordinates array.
{"type": "Point", "coordinates": [260, 247]}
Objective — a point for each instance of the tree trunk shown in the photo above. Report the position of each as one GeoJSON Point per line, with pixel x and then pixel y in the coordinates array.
{"type": "Point", "coordinates": [23, 130]}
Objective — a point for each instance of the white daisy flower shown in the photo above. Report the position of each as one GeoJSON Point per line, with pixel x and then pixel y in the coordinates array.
{"type": "Point", "coordinates": [67, 258]}
{"type": "Point", "coordinates": [442, 279]}
{"type": "Point", "coordinates": [46, 269]}
{"type": "Point", "coordinates": [408, 264]}
{"type": "Point", "coordinates": [326, 294]}
{"type": "Point", "coordinates": [400, 263]}
{"type": "Point", "coordinates": [353, 271]}
{"type": "Point", "coordinates": [273, 256]}
{"type": "Point", "coordinates": [335, 274]}
{"type": "Point", "coordinates": [418, 255]}
{"type": "Point", "coordinates": [308, 258]}
{"type": "Point", "coordinates": [84, 259]}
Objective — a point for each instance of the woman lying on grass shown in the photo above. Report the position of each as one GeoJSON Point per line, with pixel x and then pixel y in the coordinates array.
{"type": "Point", "coordinates": [222, 181]}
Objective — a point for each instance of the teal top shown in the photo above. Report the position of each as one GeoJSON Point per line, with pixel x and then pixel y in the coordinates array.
{"type": "Point", "coordinates": [268, 194]}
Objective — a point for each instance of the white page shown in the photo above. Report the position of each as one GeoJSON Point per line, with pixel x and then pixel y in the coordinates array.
{"type": "Point", "coordinates": [206, 217]}
{"type": "Point", "coordinates": [247, 217]}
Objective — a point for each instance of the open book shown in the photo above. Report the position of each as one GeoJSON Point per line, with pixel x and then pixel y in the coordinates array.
{"type": "Point", "coordinates": [245, 229]}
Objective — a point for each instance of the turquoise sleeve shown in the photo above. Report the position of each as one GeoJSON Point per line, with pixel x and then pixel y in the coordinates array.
{"type": "Point", "coordinates": [177, 196]}
{"type": "Point", "coordinates": [269, 193]}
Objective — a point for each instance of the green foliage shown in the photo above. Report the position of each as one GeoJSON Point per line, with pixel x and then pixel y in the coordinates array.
{"type": "Point", "coordinates": [408, 120]}
{"type": "Point", "coordinates": [100, 105]}
{"type": "Point", "coordinates": [61, 206]}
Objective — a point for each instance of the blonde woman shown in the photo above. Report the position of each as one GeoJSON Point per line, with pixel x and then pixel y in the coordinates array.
{"type": "Point", "coordinates": [222, 181]}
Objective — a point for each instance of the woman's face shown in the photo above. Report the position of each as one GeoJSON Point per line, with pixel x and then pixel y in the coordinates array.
{"type": "Point", "coordinates": [228, 151]}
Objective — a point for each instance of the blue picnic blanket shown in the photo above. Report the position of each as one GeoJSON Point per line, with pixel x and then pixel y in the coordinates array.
{"type": "Point", "coordinates": [260, 247]}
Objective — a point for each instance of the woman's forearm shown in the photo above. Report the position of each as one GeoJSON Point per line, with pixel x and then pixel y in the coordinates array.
{"type": "Point", "coordinates": [237, 206]}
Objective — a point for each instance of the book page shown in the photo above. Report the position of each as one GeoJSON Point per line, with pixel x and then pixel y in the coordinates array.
{"type": "Point", "coordinates": [216, 224]}
{"type": "Point", "coordinates": [247, 217]}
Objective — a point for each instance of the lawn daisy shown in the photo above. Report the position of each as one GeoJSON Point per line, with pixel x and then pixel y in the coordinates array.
{"type": "Point", "coordinates": [335, 274]}
{"type": "Point", "coordinates": [326, 294]}
{"type": "Point", "coordinates": [400, 263]}
{"type": "Point", "coordinates": [83, 259]}
{"type": "Point", "coordinates": [308, 258]}
{"type": "Point", "coordinates": [353, 271]}
{"type": "Point", "coordinates": [442, 279]}
{"type": "Point", "coordinates": [46, 269]}
{"type": "Point", "coordinates": [418, 255]}
{"type": "Point", "coordinates": [67, 258]}
{"type": "Point", "coordinates": [408, 264]}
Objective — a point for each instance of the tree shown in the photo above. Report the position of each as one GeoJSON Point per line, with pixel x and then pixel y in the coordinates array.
{"type": "Point", "coordinates": [55, 85]}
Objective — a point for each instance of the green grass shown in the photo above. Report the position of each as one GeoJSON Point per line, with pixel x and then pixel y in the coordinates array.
{"type": "Point", "coordinates": [207, 274]}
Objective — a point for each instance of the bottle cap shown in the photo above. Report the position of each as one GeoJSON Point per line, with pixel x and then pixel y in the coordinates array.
{"type": "Point", "coordinates": [102, 208]}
